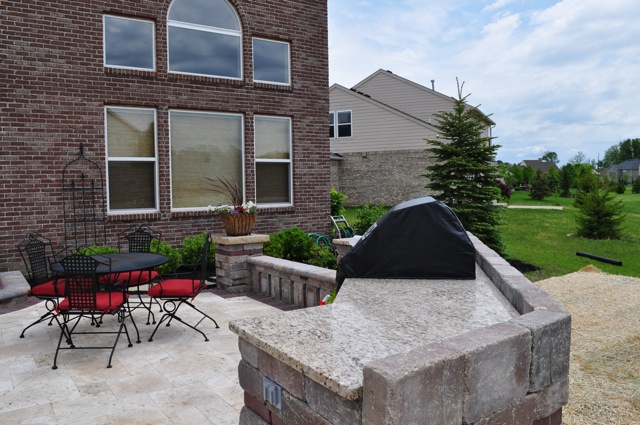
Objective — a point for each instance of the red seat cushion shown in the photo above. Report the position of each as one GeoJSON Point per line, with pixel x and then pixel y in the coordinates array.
{"type": "Point", "coordinates": [106, 302]}
{"type": "Point", "coordinates": [140, 277]}
{"type": "Point", "coordinates": [135, 278]}
{"type": "Point", "coordinates": [48, 289]}
{"type": "Point", "coordinates": [175, 288]}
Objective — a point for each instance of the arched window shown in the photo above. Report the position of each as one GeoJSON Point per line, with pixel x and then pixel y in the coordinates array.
{"type": "Point", "coordinates": [205, 38]}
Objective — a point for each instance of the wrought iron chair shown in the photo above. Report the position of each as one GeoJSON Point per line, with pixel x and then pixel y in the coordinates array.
{"type": "Point", "coordinates": [139, 238]}
{"type": "Point", "coordinates": [86, 296]}
{"type": "Point", "coordinates": [177, 292]}
{"type": "Point", "coordinates": [36, 251]}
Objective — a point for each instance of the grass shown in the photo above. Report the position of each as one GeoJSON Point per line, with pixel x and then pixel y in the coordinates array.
{"type": "Point", "coordinates": [544, 238]}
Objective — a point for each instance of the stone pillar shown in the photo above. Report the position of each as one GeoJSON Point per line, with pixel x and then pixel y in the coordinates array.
{"type": "Point", "coordinates": [232, 269]}
{"type": "Point", "coordinates": [343, 247]}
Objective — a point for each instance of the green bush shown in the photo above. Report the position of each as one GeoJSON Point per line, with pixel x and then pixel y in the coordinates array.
{"type": "Point", "coordinates": [366, 216]}
{"type": "Point", "coordinates": [291, 244]}
{"type": "Point", "coordinates": [322, 256]}
{"type": "Point", "coordinates": [295, 245]}
{"type": "Point", "coordinates": [94, 249]}
{"type": "Point", "coordinates": [164, 248]}
{"type": "Point", "coordinates": [635, 188]}
{"type": "Point", "coordinates": [337, 202]}
{"type": "Point", "coordinates": [620, 188]}
{"type": "Point", "coordinates": [191, 246]}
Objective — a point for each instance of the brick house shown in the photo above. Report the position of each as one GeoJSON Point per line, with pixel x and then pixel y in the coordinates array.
{"type": "Point", "coordinates": [378, 131]}
{"type": "Point", "coordinates": [162, 93]}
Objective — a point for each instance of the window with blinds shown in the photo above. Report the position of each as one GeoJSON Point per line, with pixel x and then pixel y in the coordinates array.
{"type": "Point", "coordinates": [131, 159]}
{"type": "Point", "coordinates": [203, 144]}
{"type": "Point", "coordinates": [273, 160]}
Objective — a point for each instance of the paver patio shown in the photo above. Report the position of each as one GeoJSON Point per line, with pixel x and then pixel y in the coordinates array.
{"type": "Point", "coordinates": [176, 379]}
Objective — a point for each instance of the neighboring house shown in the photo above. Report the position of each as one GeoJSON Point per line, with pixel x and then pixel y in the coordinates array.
{"type": "Point", "coordinates": [629, 169]}
{"type": "Point", "coordinates": [163, 93]}
{"type": "Point", "coordinates": [536, 165]}
{"type": "Point", "coordinates": [378, 131]}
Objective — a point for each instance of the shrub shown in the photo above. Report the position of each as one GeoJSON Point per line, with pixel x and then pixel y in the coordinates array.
{"type": "Point", "coordinates": [94, 249]}
{"type": "Point", "coordinates": [539, 187]}
{"type": "Point", "coordinates": [635, 188]}
{"type": "Point", "coordinates": [366, 216]}
{"type": "Point", "coordinates": [337, 202]}
{"type": "Point", "coordinates": [164, 248]}
{"type": "Point", "coordinates": [322, 256]}
{"type": "Point", "coordinates": [191, 246]}
{"type": "Point", "coordinates": [620, 188]}
{"type": "Point", "coordinates": [599, 217]}
{"type": "Point", "coordinates": [295, 245]}
{"type": "Point", "coordinates": [291, 244]}
{"type": "Point", "coordinates": [505, 190]}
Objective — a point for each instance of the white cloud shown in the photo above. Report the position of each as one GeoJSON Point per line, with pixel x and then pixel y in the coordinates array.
{"type": "Point", "coordinates": [561, 77]}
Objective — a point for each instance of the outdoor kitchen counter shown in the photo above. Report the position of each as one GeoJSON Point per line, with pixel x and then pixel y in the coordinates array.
{"type": "Point", "coordinates": [372, 319]}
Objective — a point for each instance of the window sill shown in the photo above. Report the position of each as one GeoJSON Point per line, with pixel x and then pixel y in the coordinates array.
{"type": "Point", "coordinates": [115, 217]}
{"type": "Point", "coordinates": [132, 72]}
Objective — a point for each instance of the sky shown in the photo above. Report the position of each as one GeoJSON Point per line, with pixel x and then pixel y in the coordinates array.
{"type": "Point", "coordinates": [560, 76]}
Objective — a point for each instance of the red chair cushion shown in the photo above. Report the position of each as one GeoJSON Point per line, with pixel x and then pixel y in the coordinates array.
{"type": "Point", "coordinates": [175, 288]}
{"type": "Point", "coordinates": [48, 289]}
{"type": "Point", "coordinates": [140, 277]}
{"type": "Point", "coordinates": [135, 278]}
{"type": "Point", "coordinates": [106, 302]}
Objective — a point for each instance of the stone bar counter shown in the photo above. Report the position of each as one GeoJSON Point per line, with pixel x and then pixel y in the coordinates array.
{"type": "Point", "coordinates": [490, 350]}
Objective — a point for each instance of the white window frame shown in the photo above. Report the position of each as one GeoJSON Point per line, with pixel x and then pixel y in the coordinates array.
{"type": "Point", "coordinates": [279, 161]}
{"type": "Point", "coordinates": [213, 30]}
{"type": "Point", "coordinates": [336, 125]}
{"type": "Point", "coordinates": [104, 42]}
{"type": "Point", "coordinates": [288, 83]}
{"type": "Point", "coordinates": [242, 149]}
{"type": "Point", "coordinates": [156, 189]}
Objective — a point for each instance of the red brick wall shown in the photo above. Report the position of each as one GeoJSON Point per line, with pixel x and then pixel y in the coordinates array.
{"type": "Point", "coordinates": [55, 87]}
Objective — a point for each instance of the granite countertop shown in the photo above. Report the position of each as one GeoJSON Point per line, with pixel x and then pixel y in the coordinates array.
{"type": "Point", "coordinates": [372, 319]}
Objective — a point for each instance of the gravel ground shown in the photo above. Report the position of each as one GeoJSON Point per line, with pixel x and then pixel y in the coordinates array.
{"type": "Point", "coordinates": [605, 346]}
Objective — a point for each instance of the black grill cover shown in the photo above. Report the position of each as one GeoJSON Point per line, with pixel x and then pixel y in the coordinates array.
{"type": "Point", "coordinates": [417, 239]}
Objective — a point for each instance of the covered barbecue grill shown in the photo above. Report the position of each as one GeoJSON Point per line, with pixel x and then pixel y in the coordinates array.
{"type": "Point", "coordinates": [417, 239]}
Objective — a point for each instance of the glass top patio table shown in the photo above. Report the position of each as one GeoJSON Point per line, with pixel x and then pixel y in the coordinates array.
{"type": "Point", "coordinates": [122, 262]}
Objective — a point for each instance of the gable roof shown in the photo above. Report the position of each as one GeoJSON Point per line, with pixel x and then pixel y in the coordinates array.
{"type": "Point", "coordinates": [367, 98]}
{"type": "Point", "coordinates": [629, 164]}
{"type": "Point", "coordinates": [536, 164]}
{"type": "Point", "coordinates": [388, 75]}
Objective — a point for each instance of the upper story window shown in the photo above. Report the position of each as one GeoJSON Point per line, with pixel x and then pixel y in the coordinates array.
{"type": "Point", "coordinates": [271, 61]}
{"type": "Point", "coordinates": [129, 43]}
{"type": "Point", "coordinates": [340, 124]}
{"type": "Point", "coordinates": [131, 159]}
{"type": "Point", "coordinates": [205, 38]}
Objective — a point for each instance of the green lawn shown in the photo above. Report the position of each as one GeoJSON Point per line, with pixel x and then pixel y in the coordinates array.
{"type": "Point", "coordinates": [544, 238]}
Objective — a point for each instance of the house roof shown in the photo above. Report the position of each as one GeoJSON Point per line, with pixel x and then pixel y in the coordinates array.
{"type": "Point", "coordinates": [629, 164]}
{"type": "Point", "coordinates": [367, 98]}
{"type": "Point", "coordinates": [536, 164]}
{"type": "Point", "coordinates": [430, 92]}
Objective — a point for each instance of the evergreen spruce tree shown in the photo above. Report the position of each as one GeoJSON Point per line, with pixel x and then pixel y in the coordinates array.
{"type": "Point", "coordinates": [539, 187]}
{"type": "Point", "coordinates": [463, 175]}
{"type": "Point", "coordinates": [599, 215]}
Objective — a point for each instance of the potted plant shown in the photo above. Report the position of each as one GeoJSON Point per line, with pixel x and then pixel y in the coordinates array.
{"type": "Point", "coordinates": [237, 218]}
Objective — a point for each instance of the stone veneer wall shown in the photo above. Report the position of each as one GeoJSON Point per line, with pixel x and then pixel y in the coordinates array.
{"type": "Point", "coordinates": [514, 373]}
{"type": "Point", "coordinates": [383, 177]}
{"type": "Point", "coordinates": [294, 283]}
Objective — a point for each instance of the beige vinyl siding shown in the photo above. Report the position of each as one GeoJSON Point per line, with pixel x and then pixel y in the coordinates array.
{"type": "Point", "coordinates": [375, 128]}
{"type": "Point", "coordinates": [410, 98]}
